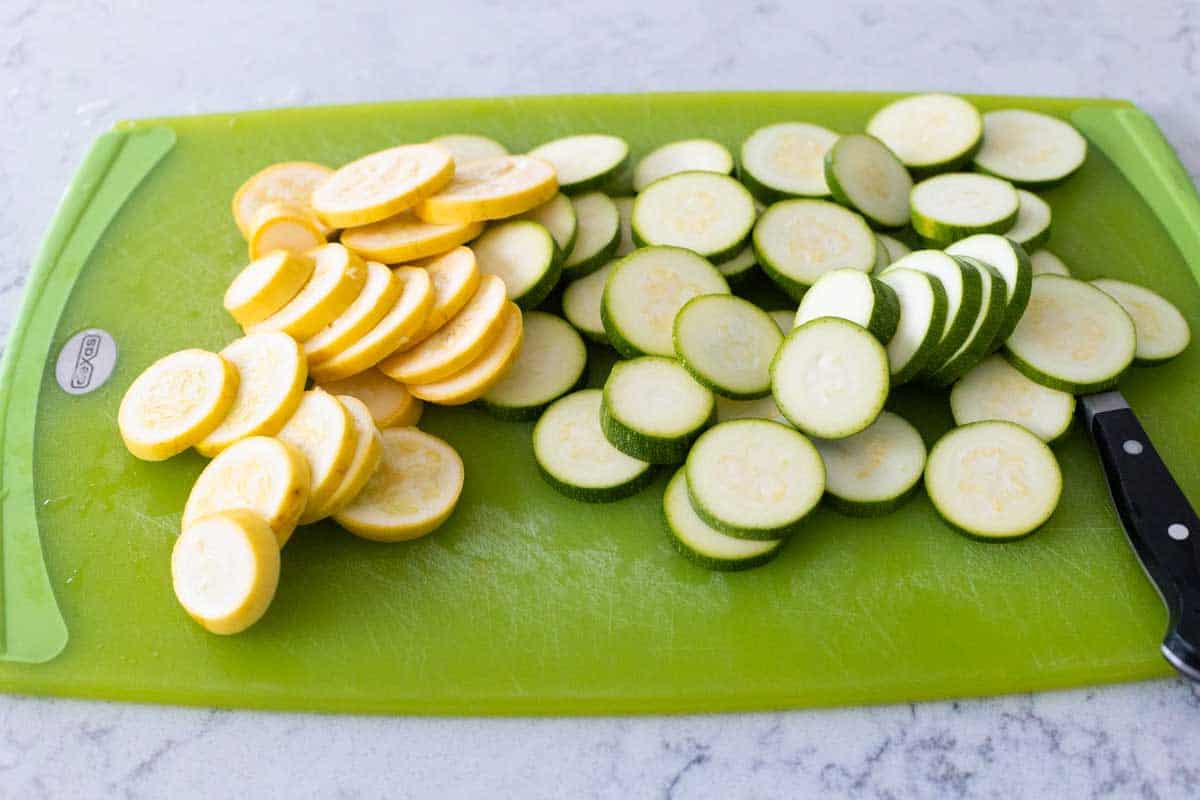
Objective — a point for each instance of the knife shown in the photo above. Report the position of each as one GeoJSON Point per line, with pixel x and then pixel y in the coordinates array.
{"type": "Point", "coordinates": [1161, 525]}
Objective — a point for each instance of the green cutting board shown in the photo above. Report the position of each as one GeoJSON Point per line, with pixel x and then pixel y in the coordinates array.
{"type": "Point", "coordinates": [527, 602]}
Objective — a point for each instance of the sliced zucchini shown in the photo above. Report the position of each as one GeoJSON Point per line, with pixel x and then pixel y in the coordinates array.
{"type": "Point", "coordinates": [558, 215]}
{"type": "Point", "coordinates": [739, 268]}
{"type": "Point", "coordinates": [551, 363]}
{"type": "Point", "coordinates": [1162, 332]}
{"type": "Point", "coordinates": [1029, 148]}
{"type": "Point", "coordinates": [470, 146]}
{"type": "Point", "coordinates": [653, 409]}
{"type": "Point", "coordinates": [644, 292]}
{"type": "Point", "coordinates": [786, 160]}
{"type": "Point", "coordinates": [599, 232]}
{"type": "Point", "coordinates": [1073, 337]}
{"type": "Point", "coordinates": [853, 295]}
{"type": "Point", "coordinates": [762, 408]}
{"type": "Point", "coordinates": [994, 389]}
{"type": "Point", "coordinates": [754, 479]}
{"type": "Point", "coordinates": [699, 542]}
{"type": "Point", "coordinates": [1012, 262]}
{"type": "Point", "coordinates": [953, 206]}
{"type": "Point", "coordinates": [993, 480]}
{"type": "Point", "coordinates": [895, 248]}
{"type": "Point", "coordinates": [1046, 263]}
{"type": "Point", "coordinates": [798, 241]}
{"type": "Point", "coordinates": [881, 255]}
{"type": "Point", "coordinates": [830, 378]}
{"type": "Point", "coordinates": [575, 458]}
{"type": "Point", "coordinates": [625, 211]}
{"type": "Point", "coordinates": [702, 211]}
{"type": "Point", "coordinates": [864, 174]}
{"type": "Point", "coordinates": [584, 162]}
{"type": "Point", "coordinates": [964, 295]}
{"type": "Point", "coordinates": [581, 304]}
{"type": "Point", "coordinates": [981, 340]}
{"type": "Point", "coordinates": [727, 344]}
{"type": "Point", "coordinates": [784, 319]}
{"type": "Point", "coordinates": [689, 155]}
{"type": "Point", "coordinates": [1032, 228]}
{"type": "Point", "coordinates": [923, 303]}
{"type": "Point", "coordinates": [876, 470]}
{"type": "Point", "coordinates": [522, 254]}
{"type": "Point", "coordinates": [929, 132]}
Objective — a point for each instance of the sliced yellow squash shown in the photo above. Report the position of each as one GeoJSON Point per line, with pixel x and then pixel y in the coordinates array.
{"type": "Point", "coordinates": [337, 279]}
{"type": "Point", "coordinates": [405, 238]}
{"type": "Point", "coordinates": [491, 188]}
{"type": "Point", "coordinates": [379, 294]}
{"type": "Point", "coordinates": [457, 343]}
{"type": "Point", "coordinates": [260, 474]}
{"type": "Point", "coordinates": [265, 285]}
{"type": "Point", "coordinates": [368, 452]}
{"type": "Point", "coordinates": [323, 432]}
{"type": "Point", "coordinates": [382, 184]}
{"type": "Point", "coordinates": [414, 490]}
{"type": "Point", "coordinates": [279, 226]}
{"type": "Point", "coordinates": [291, 182]}
{"type": "Point", "coordinates": [390, 403]}
{"type": "Point", "coordinates": [474, 380]}
{"type": "Point", "coordinates": [271, 371]}
{"type": "Point", "coordinates": [176, 402]}
{"type": "Point", "coordinates": [389, 334]}
{"type": "Point", "coordinates": [455, 277]}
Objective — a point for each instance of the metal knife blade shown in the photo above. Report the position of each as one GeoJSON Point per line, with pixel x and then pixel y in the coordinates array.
{"type": "Point", "coordinates": [1160, 523]}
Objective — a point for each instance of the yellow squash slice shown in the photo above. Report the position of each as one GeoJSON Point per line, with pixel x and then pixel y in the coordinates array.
{"type": "Point", "coordinates": [278, 226]}
{"type": "Point", "coordinates": [291, 182]}
{"type": "Point", "coordinates": [261, 475]}
{"type": "Point", "coordinates": [266, 285]}
{"type": "Point", "coordinates": [491, 188]}
{"type": "Point", "coordinates": [337, 279]}
{"type": "Point", "coordinates": [456, 344]}
{"type": "Point", "coordinates": [383, 184]}
{"type": "Point", "coordinates": [225, 569]}
{"type": "Point", "coordinates": [455, 277]}
{"type": "Point", "coordinates": [176, 402]}
{"type": "Point", "coordinates": [271, 372]}
{"type": "Point", "coordinates": [391, 333]}
{"type": "Point", "coordinates": [322, 430]}
{"type": "Point", "coordinates": [474, 380]}
{"type": "Point", "coordinates": [379, 294]}
{"type": "Point", "coordinates": [390, 403]}
{"type": "Point", "coordinates": [405, 238]}
{"type": "Point", "coordinates": [414, 490]}
{"type": "Point", "coordinates": [368, 452]}
{"type": "Point", "coordinates": [470, 146]}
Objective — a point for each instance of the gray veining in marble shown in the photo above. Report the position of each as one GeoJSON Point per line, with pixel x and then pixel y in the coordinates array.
{"type": "Point", "coordinates": [69, 69]}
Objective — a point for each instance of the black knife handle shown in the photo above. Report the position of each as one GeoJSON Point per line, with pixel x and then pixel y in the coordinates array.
{"type": "Point", "coordinates": [1161, 526]}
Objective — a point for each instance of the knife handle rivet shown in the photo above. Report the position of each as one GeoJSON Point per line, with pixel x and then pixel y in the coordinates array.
{"type": "Point", "coordinates": [1177, 531]}
{"type": "Point", "coordinates": [1134, 448]}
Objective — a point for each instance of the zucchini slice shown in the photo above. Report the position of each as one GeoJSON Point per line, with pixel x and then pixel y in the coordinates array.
{"type": "Point", "coordinates": [470, 146]}
{"type": "Point", "coordinates": [922, 302]}
{"type": "Point", "coordinates": [798, 241]}
{"type": "Point", "coordinates": [689, 155]}
{"type": "Point", "coordinates": [523, 255]}
{"type": "Point", "coordinates": [597, 237]}
{"type": "Point", "coordinates": [993, 480]}
{"type": "Point", "coordinates": [895, 248]}
{"type": "Point", "coordinates": [994, 389]}
{"type": "Point", "coordinates": [1011, 261]}
{"type": "Point", "coordinates": [727, 344]}
{"type": "Point", "coordinates": [982, 338]}
{"type": "Point", "coordinates": [1073, 337]}
{"type": "Point", "coordinates": [653, 409]}
{"type": "Point", "coordinates": [786, 160]}
{"type": "Point", "coordinates": [551, 363]}
{"type": "Point", "coordinates": [581, 304]}
{"type": "Point", "coordinates": [584, 162]}
{"type": "Point", "coordinates": [754, 479]}
{"type": "Point", "coordinates": [1029, 148]}
{"type": "Point", "coordinates": [955, 205]}
{"type": "Point", "coordinates": [644, 292]}
{"type": "Point", "coordinates": [700, 543]}
{"type": "Point", "coordinates": [929, 132]}
{"type": "Point", "coordinates": [575, 458]}
{"type": "Point", "coordinates": [881, 255]}
{"type": "Point", "coordinates": [1162, 332]}
{"type": "Point", "coordinates": [738, 269]}
{"type": "Point", "coordinates": [865, 175]}
{"type": "Point", "coordinates": [963, 289]}
{"type": "Point", "coordinates": [1046, 263]}
{"type": "Point", "coordinates": [876, 470]}
{"type": "Point", "coordinates": [762, 408]}
{"type": "Point", "coordinates": [702, 211]}
{"type": "Point", "coordinates": [853, 295]}
{"type": "Point", "coordinates": [624, 205]}
{"type": "Point", "coordinates": [830, 378]}
{"type": "Point", "coordinates": [1032, 228]}
{"type": "Point", "coordinates": [558, 215]}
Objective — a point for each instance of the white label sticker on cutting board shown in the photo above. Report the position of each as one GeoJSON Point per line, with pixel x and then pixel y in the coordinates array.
{"type": "Point", "coordinates": [86, 361]}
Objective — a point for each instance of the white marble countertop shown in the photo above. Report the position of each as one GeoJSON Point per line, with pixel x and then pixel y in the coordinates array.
{"type": "Point", "coordinates": [69, 69]}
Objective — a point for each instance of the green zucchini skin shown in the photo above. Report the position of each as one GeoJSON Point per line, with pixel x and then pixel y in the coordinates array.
{"type": "Point", "coordinates": [982, 343]}
{"type": "Point", "coordinates": [937, 323]}
{"type": "Point", "coordinates": [593, 262]}
{"type": "Point", "coordinates": [708, 561]}
{"type": "Point", "coordinates": [542, 289]}
{"type": "Point", "coordinates": [886, 314]}
{"type": "Point", "coordinates": [607, 494]}
{"type": "Point", "coordinates": [855, 508]}
{"type": "Point", "coordinates": [1036, 375]}
{"type": "Point", "coordinates": [647, 447]}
